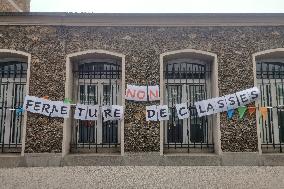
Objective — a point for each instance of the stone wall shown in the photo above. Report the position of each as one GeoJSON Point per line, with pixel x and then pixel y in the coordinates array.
{"type": "Point", "coordinates": [142, 46]}
{"type": "Point", "coordinates": [6, 6]}
{"type": "Point", "coordinates": [23, 4]}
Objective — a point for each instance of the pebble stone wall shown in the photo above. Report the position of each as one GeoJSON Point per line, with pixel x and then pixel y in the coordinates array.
{"type": "Point", "coordinates": [142, 46]}
{"type": "Point", "coordinates": [5, 6]}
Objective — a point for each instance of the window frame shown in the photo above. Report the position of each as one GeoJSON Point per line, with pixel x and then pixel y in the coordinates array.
{"type": "Point", "coordinates": [196, 55]}
{"type": "Point", "coordinates": [273, 83]}
{"type": "Point", "coordinates": [99, 85]}
{"type": "Point", "coordinates": [10, 54]}
{"type": "Point", "coordinates": [266, 54]}
{"type": "Point", "coordinates": [70, 61]}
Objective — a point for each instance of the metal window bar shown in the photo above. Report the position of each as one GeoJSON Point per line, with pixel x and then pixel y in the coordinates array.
{"type": "Point", "coordinates": [96, 83]}
{"type": "Point", "coordinates": [187, 81]}
{"type": "Point", "coordinates": [13, 75]}
{"type": "Point", "coordinates": [270, 75]}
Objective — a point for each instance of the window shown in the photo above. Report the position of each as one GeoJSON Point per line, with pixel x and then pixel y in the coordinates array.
{"type": "Point", "coordinates": [270, 80]}
{"type": "Point", "coordinates": [187, 80]}
{"type": "Point", "coordinates": [13, 74]}
{"type": "Point", "coordinates": [96, 82]}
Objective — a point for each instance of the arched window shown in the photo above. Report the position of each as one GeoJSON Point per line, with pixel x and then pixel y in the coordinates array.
{"type": "Point", "coordinates": [96, 80]}
{"type": "Point", "coordinates": [187, 78]}
{"type": "Point", "coordinates": [270, 80]}
{"type": "Point", "coordinates": [13, 78]}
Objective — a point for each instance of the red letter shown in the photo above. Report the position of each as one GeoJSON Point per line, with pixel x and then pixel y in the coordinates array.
{"type": "Point", "coordinates": [130, 92]}
{"type": "Point", "coordinates": [151, 93]}
{"type": "Point", "coordinates": [143, 94]}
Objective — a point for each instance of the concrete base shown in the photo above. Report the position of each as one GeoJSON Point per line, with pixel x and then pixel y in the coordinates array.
{"type": "Point", "coordinates": [43, 160]}
{"type": "Point", "coordinates": [191, 160]}
{"type": "Point", "coordinates": [11, 160]}
{"type": "Point", "coordinates": [142, 159]}
{"type": "Point", "coordinates": [272, 159]}
{"type": "Point", "coordinates": [154, 159]}
{"type": "Point", "coordinates": [92, 159]}
{"type": "Point", "coordinates": [241, 159]}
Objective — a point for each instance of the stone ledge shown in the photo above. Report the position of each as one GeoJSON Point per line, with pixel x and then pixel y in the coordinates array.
{"type": "Point", "coordinates": [11, 161]}
{"type": "Point", "coordinates": [91, 160]}
{"type": "Point", "coordinates": [190, 154]}
{"type": "Point", "coordinates": [43, 159]}
{"type": "Point", "coordinates": [95, 154]}
{"type": "Point", "coordinates": [272, 159]}
{"type": "Point", "coordinates": [141, 159]}
{"type": "Point", "coordinates": [192, 160]}
{"type": "Point", "coordinates": [240, 159]}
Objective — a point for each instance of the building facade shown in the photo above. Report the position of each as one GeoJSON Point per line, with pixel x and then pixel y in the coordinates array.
{"type": "Point", "coordinates": [90, 58]}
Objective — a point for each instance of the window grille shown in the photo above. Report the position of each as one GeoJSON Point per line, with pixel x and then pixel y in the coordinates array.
{"type": "Point", "coordinates": [96, 83]}
{"type": "Point", "coordinates": [187, 81]}
{"type": "Point", "coordinates": [13, 74]}
{"type": "Point", "coordinates": [270, 80]}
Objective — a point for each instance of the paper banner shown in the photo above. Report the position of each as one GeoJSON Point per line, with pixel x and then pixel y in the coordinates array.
{"type": "Point", "coordinates": [55, 108]}
{"type": "Point", "coordinates": [130, 92]}
{"type": "Point", "coordinates": [243, 97]}
{"type": "Point", "coordinates": [163, 112]}
{"type": "Point", "coordinates": [59, 109]}
{"type": "Point", "coordinates": [92, 112]}
{"type": "Point", "coordinates": [117, 112]}
{"type": "Point", "coordinates": [263, 112]}
{"type": "Point", "coordinates": [153, 93]}
{"type": "Point", "coordinates": [253, 93]}
{"type": "Point", "coordinates": [182, 111]}
{"type": "Point", "coordinates": [242, 110]}
{"type": "Point", "coordinates": [107, 113]}
{"type": "Point", "coordinates": [232, 101]}
{"type": "Point", "coordinates": [62, 110]}
{"type": "Point", "coordinates": [227, 102]}
{"type": "Point", "coordinates": [210, 104]}
{"type": "Point", "coordinates": [151, 113]}
{"type": "Point", "coordinates": [65, 110]}
{"type": "Point", "coordinates": [251, 110]}
{"type": "Point", "coordinates": [205, 107]}
{"type": "Point", "coordinates": [136, 93]}
{"type": "Point", "coordinates": [201, 108]}
{"type": "Point", "coordinates": [230, 113]}
{"type": "Point", "coordinates": [46, 107]}
{"type": "Point", "coordinates": [29, 102]}
{"type": "Point", "coordinates": [220, 104]}
{"type": "Point", "coordinates": [41, 106]}
{"type": "Point", "coordinates": [142, 93]}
